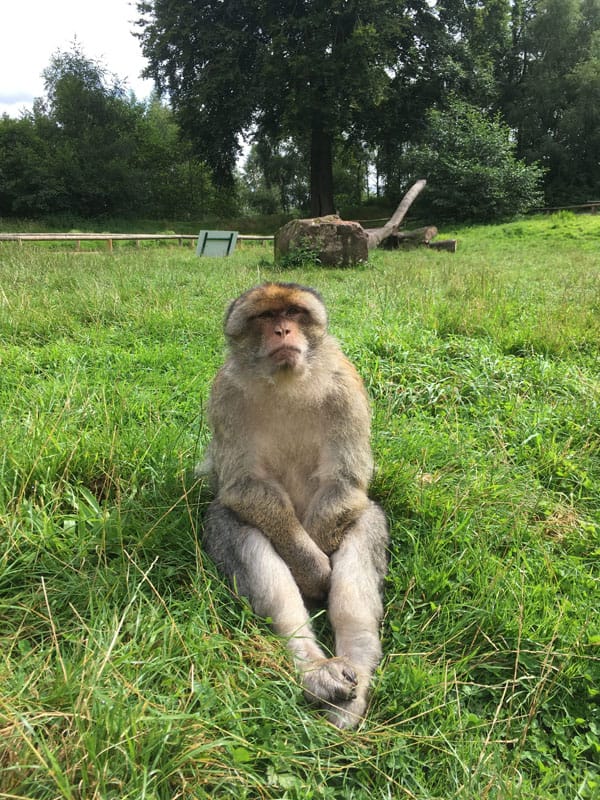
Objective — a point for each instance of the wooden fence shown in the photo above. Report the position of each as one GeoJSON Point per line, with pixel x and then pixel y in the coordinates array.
{"type": "Point", "coordinates": [110, 238]}
{"type": "Point", "coordinates": [592, 206]}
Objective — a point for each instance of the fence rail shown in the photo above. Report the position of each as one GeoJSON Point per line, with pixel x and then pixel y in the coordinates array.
{"type": "Point", "coordinates": [592, 206]}
{"type": "Point", "coordinates": [109, 238]}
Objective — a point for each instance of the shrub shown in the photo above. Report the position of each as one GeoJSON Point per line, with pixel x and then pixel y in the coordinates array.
{"type": "Point", "coordinates": [471, 168]}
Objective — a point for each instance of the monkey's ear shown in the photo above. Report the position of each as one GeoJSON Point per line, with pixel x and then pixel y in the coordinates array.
{"type": "Point", "coordinates": [236, 317]}
{"type": "Point", "coordinates": [227, 321]}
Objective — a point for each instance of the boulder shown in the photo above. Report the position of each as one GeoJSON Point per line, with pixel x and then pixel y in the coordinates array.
{"type": "Point", "coordinates": [334, 241]}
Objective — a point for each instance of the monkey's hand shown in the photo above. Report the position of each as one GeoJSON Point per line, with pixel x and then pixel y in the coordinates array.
{"type": "Point", "coordinates": [333, 509]}
{"type": "Point", "coordinates": [310, 567]}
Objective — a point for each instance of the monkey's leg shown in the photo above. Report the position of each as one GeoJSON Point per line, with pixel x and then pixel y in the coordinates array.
{"type": "Point", "coordinates": [257, 572]}
{"type": "Point", "coordinates": [355, 607]}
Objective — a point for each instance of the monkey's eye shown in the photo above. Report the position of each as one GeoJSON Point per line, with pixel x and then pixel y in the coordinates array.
{"type": "Point", "coordinates": [293, 311]}
{"type": "Point", "coordinates": [269, 314]}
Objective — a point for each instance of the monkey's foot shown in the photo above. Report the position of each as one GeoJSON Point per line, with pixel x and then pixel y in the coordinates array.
{"type": "Point", "coordinates": [332, 680]}
{"type": "Point", "coordinates": [347, 714]}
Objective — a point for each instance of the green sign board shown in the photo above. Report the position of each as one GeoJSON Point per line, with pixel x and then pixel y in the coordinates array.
{"type": "Point", "coordinates": [216, 243]}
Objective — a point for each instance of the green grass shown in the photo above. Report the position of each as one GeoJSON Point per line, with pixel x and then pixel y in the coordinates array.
{"type": "Point", "coordinates": [128, 670]}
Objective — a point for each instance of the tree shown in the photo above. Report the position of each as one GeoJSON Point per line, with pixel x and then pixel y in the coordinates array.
{"type": "Point", "coordinates": [275, 177]}
{"type": "Point", "coordinates": [579, 129]}
{"type": "Point", "coordinates": [553, 102]}
{"type": "Point", "coordinates": [89, 149]}
{"type": "Point", "coordinates": [30, 183]}
{"type": "Point", "coordinates": [305, 69]}
{"type": "Point", "coordinates": [462, 50]}
{"type": "Point", "coordinates": [171, 181]}
{"type": "Point", "coordinates": [95, 130]}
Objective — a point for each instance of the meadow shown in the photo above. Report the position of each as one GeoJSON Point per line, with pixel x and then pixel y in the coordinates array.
{"type": "Point", "coordinates": [129, 670]}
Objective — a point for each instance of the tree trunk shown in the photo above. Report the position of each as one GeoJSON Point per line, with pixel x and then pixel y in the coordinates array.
{"type": "Point", "coordinates": [321, 172]}
{"type": "Point", "coordinates": [377, 235]}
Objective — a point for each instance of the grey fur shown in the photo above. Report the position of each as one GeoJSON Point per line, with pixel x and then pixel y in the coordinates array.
{"type": "Point", "coordinates": [290, 462]}
{"type": "Point", "coordinates": [253, 567]}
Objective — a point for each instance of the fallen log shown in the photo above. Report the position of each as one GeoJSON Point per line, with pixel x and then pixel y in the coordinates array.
{"type": "Point", "coordinates": [335, 242]}
{"type": "Point", "coordinates": [377, 235]}
{"type": "Point", "coordinates": [409, 238]}
{"type": "Point", "coordinates": [445, 244]}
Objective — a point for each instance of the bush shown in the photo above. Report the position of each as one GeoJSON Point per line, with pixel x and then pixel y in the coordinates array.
{"type": "Point", "coordinates": [471, 168]}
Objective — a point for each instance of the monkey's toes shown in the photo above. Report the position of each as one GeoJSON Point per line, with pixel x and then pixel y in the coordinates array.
{"type": "Point", "coordinates": [331, 681]}
{"type": "Point", "coordinates": [347, 714]}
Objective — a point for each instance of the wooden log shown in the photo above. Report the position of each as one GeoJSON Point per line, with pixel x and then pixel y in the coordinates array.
{"type": "Point", "coordinates": [377, 235]}
{"type": "Point", "coordinates": [445, 244]}
{"type": "Point", "coordinates": [410, 238]}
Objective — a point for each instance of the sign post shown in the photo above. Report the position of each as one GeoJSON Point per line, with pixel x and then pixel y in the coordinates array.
{"type": "Point", "coordinates": [216, 243]}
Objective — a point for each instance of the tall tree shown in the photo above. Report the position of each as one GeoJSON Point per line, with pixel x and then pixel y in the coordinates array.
{"type": "Point", "coordinates": [480, 46]}
{"type": "Point", "coordinates": [95, 128]}
{"type": "Point", "coordinates": [30, 183]}
{"type": "Point", "coordinates": [462, 50]}
{"type": "Point", "coordinates": [275, 177]}
{"type": "Point", "coordinates": [579, 130]}
{"type": "Point", "coordinates": [89, 148]}
{"type": "Point", "coordinates": [554, 99]}
{"type": "Point", "coordinates": [306, 69]}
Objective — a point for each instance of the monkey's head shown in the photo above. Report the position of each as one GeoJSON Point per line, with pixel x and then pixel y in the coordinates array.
{"type": "Point", "coordinates": [276, 325]}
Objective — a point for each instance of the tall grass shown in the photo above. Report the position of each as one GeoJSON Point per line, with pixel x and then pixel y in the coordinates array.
{"type": "Point", "coordinates": [128, 669]}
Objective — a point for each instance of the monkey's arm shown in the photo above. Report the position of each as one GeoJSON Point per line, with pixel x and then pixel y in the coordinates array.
{"type": "Point", "coordinates": [266, 506]}
{"type": "Point", "coordinates": [246, 486]}
{"type": "Point", "coordinates": [333, 508]}
{"type": "Point", "coordinates": [346, 466]}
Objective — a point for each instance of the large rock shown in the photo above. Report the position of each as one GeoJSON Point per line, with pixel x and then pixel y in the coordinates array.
{"type": "Point", "coordinates": [335, 242]}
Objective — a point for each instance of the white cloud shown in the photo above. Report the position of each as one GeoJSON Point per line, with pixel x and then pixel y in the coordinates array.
{"type": "Point", "coordinates": [32, 30]}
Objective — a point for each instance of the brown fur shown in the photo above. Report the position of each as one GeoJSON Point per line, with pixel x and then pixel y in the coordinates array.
{"type": "Point", "coordinates": [290, 456]}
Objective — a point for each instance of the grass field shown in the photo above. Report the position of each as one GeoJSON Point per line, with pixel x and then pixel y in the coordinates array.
{"type": "Point", "coordinates": [127, 668]}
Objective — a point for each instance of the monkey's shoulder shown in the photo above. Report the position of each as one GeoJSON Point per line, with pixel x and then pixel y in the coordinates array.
{"type": "Point", "coordinates": [346, 375]}
{"type": "Point", "coordinates": [329, 383]}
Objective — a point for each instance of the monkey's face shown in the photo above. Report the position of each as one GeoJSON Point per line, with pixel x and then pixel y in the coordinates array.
{"type": "Point", "coordinates": [276, 327]}
{"type": "Point", "coordinates": [282, 340]}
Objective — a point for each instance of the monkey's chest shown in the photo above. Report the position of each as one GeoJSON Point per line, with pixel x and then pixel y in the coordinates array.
{"type": "Point", "coordinates": [293, 457]}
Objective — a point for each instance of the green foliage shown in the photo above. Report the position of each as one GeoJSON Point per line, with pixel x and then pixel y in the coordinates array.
{"type": "Point", "coordinates": [92, 126]}
{"type": "Point", "coordinates": [553, 102]}
{"type": "Point", "coordinates": [333, 97]}
{"type": "Point", "coordinates": [90, 149]}
{"type": "Point", "coordinates": [129, 670]}
{"type": "Point", "coordinates": [302, 256]}
{"type": "Point", "coordinates": [470, 164]}
{"type": "Point", "coordinates": [274, 178]}
{"type": "Point", "coordinates": [282, 68]}
{"type": "Point", "coordinates": [29, 183]}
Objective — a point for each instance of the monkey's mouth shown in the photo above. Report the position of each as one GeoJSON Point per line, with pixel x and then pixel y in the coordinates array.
{"type": "Point", "coordinates": [286, 355]}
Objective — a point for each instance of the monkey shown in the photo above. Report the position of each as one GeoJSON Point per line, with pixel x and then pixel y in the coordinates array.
{"type": "Point", "coordinates": [291, 524]}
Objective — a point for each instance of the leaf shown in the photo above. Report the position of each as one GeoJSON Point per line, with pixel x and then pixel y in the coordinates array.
{"type": "Point", "coordinates": [241, 755]}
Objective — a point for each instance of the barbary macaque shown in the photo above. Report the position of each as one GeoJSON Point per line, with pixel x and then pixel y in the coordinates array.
{"type": "Point", "coordinates": [290, 459]}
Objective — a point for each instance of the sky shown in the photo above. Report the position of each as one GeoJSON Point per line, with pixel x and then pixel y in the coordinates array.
{"type": "Point", "coordinates": [33, 30]}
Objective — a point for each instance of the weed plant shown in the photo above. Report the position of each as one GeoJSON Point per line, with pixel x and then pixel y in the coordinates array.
{"type": "Point", "coordinates": [129, 670]}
